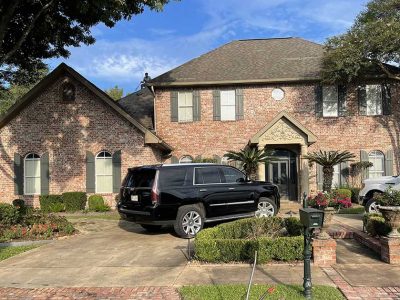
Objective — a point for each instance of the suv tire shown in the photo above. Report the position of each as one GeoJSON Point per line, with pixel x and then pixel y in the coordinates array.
{"type": "Point", "coordinates": [266, 208]}
{"type": "Point", "coordinates": [370, 206]}
{"type": "Point", "coordinates": [189, 220]}
{"type": "Point", "coordinates": [151, 228]}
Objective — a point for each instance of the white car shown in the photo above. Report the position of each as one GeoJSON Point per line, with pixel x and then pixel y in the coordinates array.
{"type": "Point", "coordinates": [376, 186]}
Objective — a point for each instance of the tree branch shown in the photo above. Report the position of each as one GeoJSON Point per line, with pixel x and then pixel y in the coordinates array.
{"type": "Point", "coordinates": [25, 34]}
{"type": "Point", "coordinates": [5, 19]}
{"type": "Point", "coordinates": [387, 72]}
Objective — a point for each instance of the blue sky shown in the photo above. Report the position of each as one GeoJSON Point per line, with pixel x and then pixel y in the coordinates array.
{"type": "Point", "coordinates": [157, 42]}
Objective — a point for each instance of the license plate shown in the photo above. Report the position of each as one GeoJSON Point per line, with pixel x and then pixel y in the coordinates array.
{"type": "Point", "coordinates": [134, 198]}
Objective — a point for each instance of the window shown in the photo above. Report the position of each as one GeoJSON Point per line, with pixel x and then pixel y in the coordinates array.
{"type": "Point", "coordinates": [207, 175]}
{"type": "Point", "coordinates": [374, 99]}
{"type": "Point", "coordinates": [377, 159]}
{"type": "Point", "coordinates": [185, 107]}
{"type": "Point", "coordinates": [228, 105]}
{"type": "Point", "coordinates": [174, 176]}
{"type": "Point", "coordinates": [224, 160]}
{"type": "Point", "coordinates": [103, 167]}
{"type": "Point", "coordinates": [68, 92]}
{"type": "Point", "coordinates": [232, 175]}
{"type": "Point", "coordinates": [32, 174]}
{"type": "Point", "coordinates": [186, 159]}
{"type": "Point", "coordinates": [336, 176]}
{"type": "Point", "coordinates": [330, 101]}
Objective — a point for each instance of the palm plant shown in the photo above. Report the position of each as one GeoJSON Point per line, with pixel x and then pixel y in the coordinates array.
{"type": "Point", "coordinates": [328, 159]}
{"type": "Point", "coordinates": [249, 157]}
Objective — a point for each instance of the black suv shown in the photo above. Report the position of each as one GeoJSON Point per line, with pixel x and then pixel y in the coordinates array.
{"type": "Point", "coordinates": [189, 195]}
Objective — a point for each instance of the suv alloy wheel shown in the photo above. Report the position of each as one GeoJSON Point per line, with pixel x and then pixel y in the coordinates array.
{"type": "Point", "coordinates": [189, 221]}
{"type": "Point", "coordinates": [266, 208]}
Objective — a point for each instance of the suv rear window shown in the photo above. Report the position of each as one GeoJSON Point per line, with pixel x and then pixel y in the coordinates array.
{"type": "Point", "coordinates": [207, 175]}
{"type": "Point", "coordinates": [170, 176]}
{"type": "Point", "coordinates": [142, 178]}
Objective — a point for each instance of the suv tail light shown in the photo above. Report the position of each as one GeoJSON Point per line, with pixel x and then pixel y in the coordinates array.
{"type": "Point", "coordinates": [155, 193]}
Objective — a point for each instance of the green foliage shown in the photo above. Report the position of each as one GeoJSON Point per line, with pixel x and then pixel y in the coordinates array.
{"type": "Point", "coordinates": [370, 46]}
{"type": "Point", "coordinates": [249, 157]}
{"type": "Point", "coordinates": [9, 215]}
{"type": "Point", "coordinates": [375, 225]}
{"type": "Point", "coordinates": [343, 192]}
{"type": "Point", "coordinates": [7, 252]}
{"type": "Point", "coordinates": [390, 197]}
{"type": "Point", "coordinates": [20, 205]}
{"type": "Point", "coordinates": [205, 160]}
{"type": "Point", "coordinates": [74, 201]}
{"type": "Point", "coordinates": [293, 226]}
{"type": "Point", "coordinates": [116, 93]}
{"type": "Point", "coordinates": [238, 241]}
{"type": "Point", "coordinates": [352, 210]}
{"type": "Point", "coordinates": [96, 203]}
{"type": "Point", "coordinates": [354, 194]}
{"type": "Point", "coordinates": [258, 291]}
{"type": "Point", "coordinates": [328, 159]}
{"type": "Point", "coordinates": [51, 203]}
{"type": "Point", "coordinates": [49, 28]}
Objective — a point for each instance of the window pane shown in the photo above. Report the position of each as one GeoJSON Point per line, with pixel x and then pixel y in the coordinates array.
{"type": "Point", "coordinates": [228, 113]}
{"type": "Point", "coordinates": [32, 167]}
{"type": "Point", "coordinates": [377, 159]}
{"type": "Point", "coordinates": [330, 101]}
{"type": "Point", "coordinates": [100, 166]}
{"type": "Point", "coordinates": [232, 175]}
{"type": "Point", "coordinates": [104, 184]}
{"type": "Point", "coordinates": [207, 175]}
{"type": "Point", "coordinates": [32, 185]}
{"type": "Point", "coordinates": [374, 99]}
{"type": "Point", "coordinates": [107, 166]}
{"type": "Point", "coordinates": [173, 176]}
{"type": "Point", "coordinates": [227, 97]}
{"type": "Point", "coordinates": [336, 176]}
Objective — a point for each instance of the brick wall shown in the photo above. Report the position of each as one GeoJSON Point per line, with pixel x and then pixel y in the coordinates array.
{"type": "Point", "coordinates": [208, 137]}
{"type": "Point", "coordinates": [66, 131]}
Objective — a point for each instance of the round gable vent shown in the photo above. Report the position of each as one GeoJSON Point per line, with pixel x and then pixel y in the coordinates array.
{"type": "Point", "coordinates": [278, 94]}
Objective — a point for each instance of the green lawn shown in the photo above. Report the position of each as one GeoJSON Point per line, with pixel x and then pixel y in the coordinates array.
{"type": "Point", "coordinates": [6, 252]}
{"type": "Point", "coordinates": [352, 210]}
{"type": "Point", "coordinates": [238, 292]}
{"type": "Point", "coordinates": [94, 217]}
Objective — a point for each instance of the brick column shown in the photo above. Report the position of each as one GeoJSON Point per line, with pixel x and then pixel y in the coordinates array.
{"type": "Point", "coordinates": [324, 252]}
{"type": "Point", "coordinates": [390, 250]}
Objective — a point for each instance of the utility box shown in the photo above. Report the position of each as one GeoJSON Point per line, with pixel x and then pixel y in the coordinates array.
{"type": "Point", "coordinates": [311, 217]}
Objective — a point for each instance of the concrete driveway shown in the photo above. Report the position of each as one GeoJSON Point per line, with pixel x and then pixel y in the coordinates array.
{"type": "Point", "coordinates": [106, 253]}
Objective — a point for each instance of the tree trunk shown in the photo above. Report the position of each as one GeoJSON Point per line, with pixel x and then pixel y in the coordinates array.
{"type": "Point", "coordinates": [328, 177]}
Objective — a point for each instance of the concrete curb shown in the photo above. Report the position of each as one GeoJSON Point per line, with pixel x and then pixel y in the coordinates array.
{"type": "Point", "coordinates": [25, 243]}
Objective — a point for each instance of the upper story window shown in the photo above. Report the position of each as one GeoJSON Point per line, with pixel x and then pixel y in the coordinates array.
{"type": "Point", "coordinates": [374, 99]}
{"type": "Point", "coordinates": [378, 160]}
{"type": "Point", "coordinates": [185, 107]}
{"type": "Point", "coordinates": [32, 174]}
{"type": "Point", "coordinates": [228, 105]}
{"type": "Point", "coordinates": [186, 159]}
{"type": "Point", "coordinates": [104, 173]}
{"type": "Point", "coordinates": [330, 101]}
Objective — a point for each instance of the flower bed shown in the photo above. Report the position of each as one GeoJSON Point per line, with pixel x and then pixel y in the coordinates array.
{"type": "Point", "coordinates": [21, 223]}
{"type": "Point", "coordinates": [337, 199]}
{"type": "Point", "coordinates": [238, 241]}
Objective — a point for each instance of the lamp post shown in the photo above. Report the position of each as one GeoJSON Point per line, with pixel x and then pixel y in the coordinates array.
{"type": "Point", "coordinates": [307, 256]}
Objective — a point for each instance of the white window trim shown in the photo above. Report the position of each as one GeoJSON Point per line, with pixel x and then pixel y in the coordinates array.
{"type": "Point", "coordinates": [376, 101]}
{"type": "Point", "coordinates": [231, 105]}
{"type": "Point", "coordinates": [185, 106]}
{"type": "Point", "coordinates": [25, 176]}
{"type": "Point", "coordinates": [96, 174]}
{"type": "Point", "coordinates": [337, 101]}
{"type": "Point", "coordinates": [185, 156]}
{"type": "Point", "coordinates": [380, 156]}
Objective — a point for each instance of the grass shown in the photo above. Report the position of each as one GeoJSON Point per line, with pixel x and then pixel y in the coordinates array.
{"type": "Point", "coordinates": [352, 210]}
{"type": "Point", "coordinates": [7, 252]}
{"type": "Point", "coordinates": [238, 292]}
{"type": "Point", "coordinates": [100, 216]}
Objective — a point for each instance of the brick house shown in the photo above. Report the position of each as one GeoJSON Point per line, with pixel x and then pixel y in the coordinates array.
{"type": "Point", "coordinates": [67, 135]}
{"type": "Point", "coordinates": [268, 93]}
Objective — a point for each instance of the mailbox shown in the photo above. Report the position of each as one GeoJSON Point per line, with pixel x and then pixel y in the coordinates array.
{"type": "Point", "coordinates": [311, 217]}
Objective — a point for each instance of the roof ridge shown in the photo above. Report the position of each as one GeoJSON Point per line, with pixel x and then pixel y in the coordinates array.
{"type": "Point", "coordinates": [266, 39]}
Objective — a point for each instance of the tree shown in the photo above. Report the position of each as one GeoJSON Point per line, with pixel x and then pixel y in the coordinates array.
{"type": "Point", "coordinates": [250, 157]}
{"type": "Point", "coordinates": [372, 44]}
{"type": "Point", "coordinates": [31, 31]}
{"type": "Point", "coordinates": [116, 93]}
{"type": "Point", "coordinates": [15, 91]}
{"type": "Point", "coordinates": [328, 159]}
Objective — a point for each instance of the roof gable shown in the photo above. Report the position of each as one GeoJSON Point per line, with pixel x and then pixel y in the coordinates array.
{"type": "Point", "coordinates": [62, 70]}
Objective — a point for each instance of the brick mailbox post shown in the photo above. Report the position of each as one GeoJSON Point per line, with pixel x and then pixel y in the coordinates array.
{"type": "Point", "coordinates": [390, 250]}
{"type": "Point", "coordinates": [324, 252]}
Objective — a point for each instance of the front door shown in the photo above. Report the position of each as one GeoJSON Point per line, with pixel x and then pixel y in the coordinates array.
{"type": "Point", "coordinates": [279, 175]}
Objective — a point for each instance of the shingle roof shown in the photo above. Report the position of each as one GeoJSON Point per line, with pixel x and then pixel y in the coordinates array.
{"type": "Point", "coordinates": [140, 105]}
{"type": "Point", "coordinates": [252, 61]}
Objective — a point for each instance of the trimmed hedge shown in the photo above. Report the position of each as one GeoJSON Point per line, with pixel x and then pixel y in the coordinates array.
{"type": "Point", "coordinates": [74, 201]}
{"type": "Point", "coordinates": [51, 203]}
{"type": "Point", "coordinates": [238, 241]}
{"type": "Point", "coordinates": [343, 192]}
{"type": "Point", "coordinates": [96, 203]}
{"type": "Point", "coordinates": [293, 226]}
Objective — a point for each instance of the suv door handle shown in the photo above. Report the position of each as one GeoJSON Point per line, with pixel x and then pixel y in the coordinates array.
{"type": "Point", "coordinates": [203, 190]}
{"type": "Point", "coordinates": [231, 188]}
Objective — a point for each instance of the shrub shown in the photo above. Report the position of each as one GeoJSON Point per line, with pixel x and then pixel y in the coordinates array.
{"type": "Point", "coordinates": [343, 192]}
{"type": "Point", "coordinates": [20, 205]}
{"type": "Point", "coordinates": [375, 225]}
{"type": "Point", "coordinates": [51, 203]}
{"type": "Point", "coordinates": [9, 215]}
{"type": "Point", "coordinates": [96, 203]}
{"type": "Point", "coordinates": [238, 241]}
{"type": "Point", "coordinates": [390, 197]}
{"type": "Point", "coordinates": [293, 226]}
{"type": "Point", "coordinates": [74, 201]}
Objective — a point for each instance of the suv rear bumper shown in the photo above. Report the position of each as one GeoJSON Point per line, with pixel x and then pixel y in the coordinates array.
{"type": "Point", "coordinates": [149, 217]}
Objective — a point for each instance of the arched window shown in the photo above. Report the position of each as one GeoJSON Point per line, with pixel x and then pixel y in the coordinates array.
{"type": "Point", "coordinates": [32, 174]}
{"type": "Point", "coordinates": [186, 159]}
{"type": "Point", "coordinates": [378, 160]}
{"type": "Point", "coordinates": [103, 166]}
